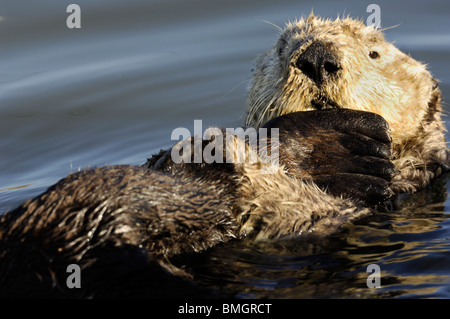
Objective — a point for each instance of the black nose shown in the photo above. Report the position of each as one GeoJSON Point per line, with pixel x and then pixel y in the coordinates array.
{"type": "Point", "coordinates": [317, 62]}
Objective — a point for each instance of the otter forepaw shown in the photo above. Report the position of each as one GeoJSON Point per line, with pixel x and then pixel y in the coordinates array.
{"type": "Point", "coordinates": [345, 152]}
{"type": "Point", "coordinates": [370, 190]}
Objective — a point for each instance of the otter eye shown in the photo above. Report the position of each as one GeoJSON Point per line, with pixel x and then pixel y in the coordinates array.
{"type": "Point", "coordinates": [373, 54]}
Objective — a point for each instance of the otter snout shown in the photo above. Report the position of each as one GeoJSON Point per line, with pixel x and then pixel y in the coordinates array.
{"type": "Point", "coordinates": [317, 62]}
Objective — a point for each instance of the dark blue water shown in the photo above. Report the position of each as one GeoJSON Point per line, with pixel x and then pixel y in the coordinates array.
{"type": "Point", "coordinates": [113, 91]}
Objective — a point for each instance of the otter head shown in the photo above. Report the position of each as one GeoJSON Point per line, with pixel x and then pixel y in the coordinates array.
{"type": "Point", "coordinates": [317, 64]}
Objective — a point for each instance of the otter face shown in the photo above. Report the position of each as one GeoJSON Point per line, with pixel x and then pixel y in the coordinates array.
{"type": "Point", "coordinates": [320, 63]}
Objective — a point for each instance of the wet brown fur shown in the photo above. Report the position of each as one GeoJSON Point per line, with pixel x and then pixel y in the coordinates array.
{"type": "Point", "coordinates": [110, 221]}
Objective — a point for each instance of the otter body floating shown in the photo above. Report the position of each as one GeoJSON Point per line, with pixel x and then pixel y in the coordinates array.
{"type": "Point", "coordinates": [359, 122]}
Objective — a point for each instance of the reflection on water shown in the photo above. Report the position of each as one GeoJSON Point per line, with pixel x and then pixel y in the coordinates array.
{"type": "Point", "coordinates": [411, 245]}
{"type": "Point", "coordinates": [113, 91]}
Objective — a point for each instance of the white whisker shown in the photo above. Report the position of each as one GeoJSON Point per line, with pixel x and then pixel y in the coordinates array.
{"type": "Point", "coordinates": [236, 86]}
{"type": "Point", "coordinates": [273, 24]}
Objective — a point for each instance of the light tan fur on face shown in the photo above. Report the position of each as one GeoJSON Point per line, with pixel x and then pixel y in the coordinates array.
{"type": "Point", "coordinates": [394, 85]}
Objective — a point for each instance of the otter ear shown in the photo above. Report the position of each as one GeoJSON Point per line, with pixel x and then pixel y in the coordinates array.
{"type": "Point", "coordinates": [435, 84]}
{"type": "Point", "coordinates": [434, 103]}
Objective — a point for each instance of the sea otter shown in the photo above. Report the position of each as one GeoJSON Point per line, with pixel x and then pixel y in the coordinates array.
{"type": "Point", "coordinates": [319, 63]}
{"type": "Point", "coordinates": [359, 121]}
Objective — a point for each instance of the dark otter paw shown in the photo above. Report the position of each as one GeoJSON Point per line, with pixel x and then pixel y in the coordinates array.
{"type": "Point", "coordinates": [204, 159]}
{"type": "Point", "coordinates": [370, 190]}
{"type": "Point", "coordinates": [345, 152]}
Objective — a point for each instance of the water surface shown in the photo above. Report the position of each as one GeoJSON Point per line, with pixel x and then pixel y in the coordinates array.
{"type": "Point", "coordinates": [113, 91]}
